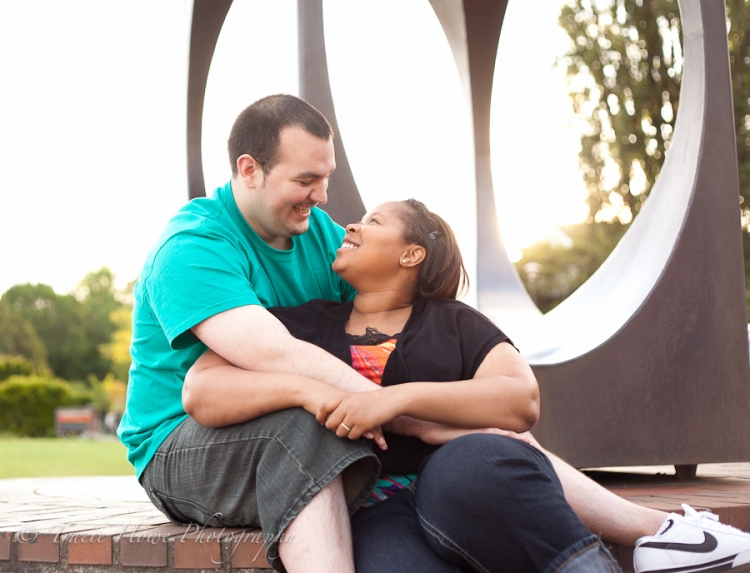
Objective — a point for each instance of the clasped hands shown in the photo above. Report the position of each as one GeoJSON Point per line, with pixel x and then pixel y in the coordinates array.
{"type": "Point", "coordinates": [362, 414]}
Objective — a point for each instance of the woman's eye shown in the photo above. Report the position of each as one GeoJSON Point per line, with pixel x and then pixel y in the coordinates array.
{"type": "Point", "coordinates": [374, 220]}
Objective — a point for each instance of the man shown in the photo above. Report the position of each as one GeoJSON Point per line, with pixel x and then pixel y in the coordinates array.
{"type": "Point", "coordinates": [258, 242]}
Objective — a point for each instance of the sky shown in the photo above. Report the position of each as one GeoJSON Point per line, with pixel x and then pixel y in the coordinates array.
{"type": "Point", "coordinates": [92, 128]}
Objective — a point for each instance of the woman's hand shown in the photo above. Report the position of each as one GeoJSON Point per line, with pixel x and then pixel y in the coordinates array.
{"type": "Point", "coordinates": [357, 414]}
{"type": "Point", "coordinates": [328, 398]}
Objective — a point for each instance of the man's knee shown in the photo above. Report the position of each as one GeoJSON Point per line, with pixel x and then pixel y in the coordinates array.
{"type": "Point", "coordinates": [297, 426]}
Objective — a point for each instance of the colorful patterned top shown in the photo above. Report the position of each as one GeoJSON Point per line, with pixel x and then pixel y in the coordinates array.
{"type": "Point", "coordinates": [370, 354]}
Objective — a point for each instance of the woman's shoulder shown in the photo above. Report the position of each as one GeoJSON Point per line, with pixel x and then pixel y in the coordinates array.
{"type": "Point", "coordinates": [449, 306]}
{"type": "Point", "coordinates": [315, 307]}
{"type": "Point", "coordinates": [467, 320]}
{"type": "Point", "coordinates": [304, 321]}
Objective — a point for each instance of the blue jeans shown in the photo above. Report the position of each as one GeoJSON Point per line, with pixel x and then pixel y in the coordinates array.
{"type": "Point", "coordinates": [481, 503]}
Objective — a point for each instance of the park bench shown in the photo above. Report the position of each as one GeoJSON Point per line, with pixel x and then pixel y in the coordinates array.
{"type": "Point", "coordinates": [80, 420]}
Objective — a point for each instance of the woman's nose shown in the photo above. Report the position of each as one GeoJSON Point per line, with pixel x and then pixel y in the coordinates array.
{"type": "Point", "coordinates": [352, 227]}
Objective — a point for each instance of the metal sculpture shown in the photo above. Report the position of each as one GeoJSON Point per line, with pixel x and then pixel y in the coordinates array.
{"type": "Point", "coordinates": [647, 363]}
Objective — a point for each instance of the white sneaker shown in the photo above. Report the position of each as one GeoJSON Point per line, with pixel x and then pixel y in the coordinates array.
{"type": "Point", "coordinates": [693, 542]}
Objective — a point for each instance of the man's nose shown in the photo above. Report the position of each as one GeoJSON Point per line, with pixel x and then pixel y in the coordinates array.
{"type": "Point", "coordinates": [319, 192]}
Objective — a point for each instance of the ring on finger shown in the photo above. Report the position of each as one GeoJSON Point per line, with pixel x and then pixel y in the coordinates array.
{"type": "Point", "coordinates": [347, 428]}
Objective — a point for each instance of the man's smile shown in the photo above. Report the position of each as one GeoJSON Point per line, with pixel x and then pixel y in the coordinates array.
{"type": "Point", "coordinates": [304, 209]}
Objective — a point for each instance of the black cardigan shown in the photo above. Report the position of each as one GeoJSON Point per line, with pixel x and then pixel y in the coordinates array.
{"type": "Point", "coordinates": [443, 340]}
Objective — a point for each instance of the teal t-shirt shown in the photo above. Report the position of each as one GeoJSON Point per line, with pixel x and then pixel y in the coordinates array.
{"type": "Point", "coordinates": [210, 260]}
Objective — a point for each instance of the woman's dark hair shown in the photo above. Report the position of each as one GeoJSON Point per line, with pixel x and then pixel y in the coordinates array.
{"type": "Point", "coordinates": [442, 273]}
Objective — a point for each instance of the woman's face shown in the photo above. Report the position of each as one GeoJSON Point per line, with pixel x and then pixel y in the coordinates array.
{"type": "Point", "coordinates": [373, 248]}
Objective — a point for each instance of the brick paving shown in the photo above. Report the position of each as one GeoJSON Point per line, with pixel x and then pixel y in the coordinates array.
{"type": "Point", "coordinates": [107, 524]}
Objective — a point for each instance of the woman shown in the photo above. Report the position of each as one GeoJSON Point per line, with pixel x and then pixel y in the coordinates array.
{"type": "Point", "coordinates": [481, 501]}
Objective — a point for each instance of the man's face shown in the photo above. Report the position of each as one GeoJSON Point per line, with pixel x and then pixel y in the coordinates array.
{"type": "Point", "coordinates": [298, 182]}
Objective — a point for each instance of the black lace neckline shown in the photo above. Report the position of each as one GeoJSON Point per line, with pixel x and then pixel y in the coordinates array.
{"type": "Point", "coordinates": [371, 337]}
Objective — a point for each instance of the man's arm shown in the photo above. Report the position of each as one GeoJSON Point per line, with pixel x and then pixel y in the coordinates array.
{"type": "Point", "coordinates": [217, 393]}
{"type": "Point", "coordinates": [252, 339]}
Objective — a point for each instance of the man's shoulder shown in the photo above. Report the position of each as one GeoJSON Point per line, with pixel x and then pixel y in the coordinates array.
{"type": "Point", "coordinates": [203, 221]}
{"type": "Point", "coordinates": [201, 217]}
{"type": "Point", "coordinates": [198, 214]}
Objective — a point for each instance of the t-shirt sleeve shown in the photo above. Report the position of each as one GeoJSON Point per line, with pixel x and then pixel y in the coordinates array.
{"type": "Point", "coordinates": [478, 336]}
{"type": "Point", "coordinates": [194, 277]}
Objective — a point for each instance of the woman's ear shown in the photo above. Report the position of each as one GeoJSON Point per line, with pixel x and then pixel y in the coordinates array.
{"type": "Point", "coordinates": [249, 171]}
{"type": "Point", "coordinates": [413, 256]}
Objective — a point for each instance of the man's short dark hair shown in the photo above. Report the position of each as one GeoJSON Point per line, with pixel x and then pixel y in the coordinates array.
{"type": "Point", "coordinates": [256, 131]}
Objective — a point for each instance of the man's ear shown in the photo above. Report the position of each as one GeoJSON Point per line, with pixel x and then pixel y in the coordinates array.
{"type": "Point", "coordinates": [249, 171]}
{"type": "Point", "coordinates": [413, 256]}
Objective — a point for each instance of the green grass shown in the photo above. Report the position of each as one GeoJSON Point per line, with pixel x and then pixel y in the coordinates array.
{"type": "Point", "coordinates": [37, 457]}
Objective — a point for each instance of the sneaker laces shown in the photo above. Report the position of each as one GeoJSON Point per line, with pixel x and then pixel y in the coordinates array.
{"type": "Point", "coordinates": [708, 520]}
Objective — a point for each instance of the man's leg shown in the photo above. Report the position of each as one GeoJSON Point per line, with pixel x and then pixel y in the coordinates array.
{"type": "Point", "coordinates": [262, 473]}
{"type": "Point", "coordinates": [603, 512]}
{"type": "Point", "coordinates": [491, 503]}
{"type": "Point", "coordinates": [319, 538]}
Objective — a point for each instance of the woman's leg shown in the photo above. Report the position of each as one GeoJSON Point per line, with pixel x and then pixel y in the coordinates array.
{"type": "Point", "coordinates": [388, 537]}
{"type": "Point", "coordinates": [491, 503]}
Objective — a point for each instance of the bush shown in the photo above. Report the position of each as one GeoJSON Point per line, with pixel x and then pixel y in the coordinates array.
{"type": "Point", "coordinates": [27, 404]}
{"type": "Point", "coordinates": [15, 366]}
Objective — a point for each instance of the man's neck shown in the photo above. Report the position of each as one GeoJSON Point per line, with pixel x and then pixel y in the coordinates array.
{"type": "Point", "coordinates": [242, 197]}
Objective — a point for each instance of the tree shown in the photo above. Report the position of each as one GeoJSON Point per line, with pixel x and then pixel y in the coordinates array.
{"type": "Point", "coordinates": [738, 12]}
{"type": "Point", "coordinates": [117, 350]}
{"type": "Point", "coordinates": [626, 61]}
{"type": "Point", "coordinates": [551, 273]}
{"type": "Point", "coordinates": [18, 338]}
{"type": "Point", "coordinates": [98, 298]}
{"type": "Point", "coordinates": [58, 321]}
{"type": "Point", "coordinates": [625, 65]}
{"type": "Point", "coordinates": [71, 327]}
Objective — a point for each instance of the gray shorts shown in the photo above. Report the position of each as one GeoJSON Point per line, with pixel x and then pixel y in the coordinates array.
{"type": "Point", "coordinates": [260, 473]}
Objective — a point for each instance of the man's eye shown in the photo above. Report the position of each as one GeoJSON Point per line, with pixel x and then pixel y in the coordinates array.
{"type": "Point", "coordinates": [304, 181]}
